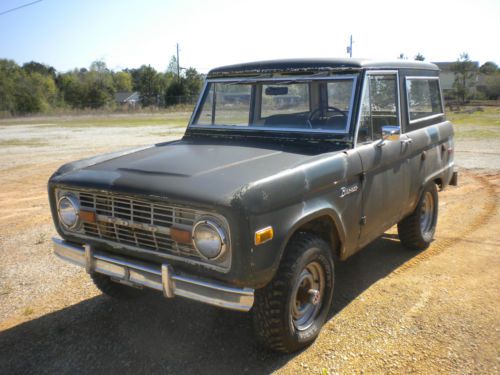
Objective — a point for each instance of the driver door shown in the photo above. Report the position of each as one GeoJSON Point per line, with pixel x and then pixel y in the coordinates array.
{"type": "Point", "coordinates": [384, 159]}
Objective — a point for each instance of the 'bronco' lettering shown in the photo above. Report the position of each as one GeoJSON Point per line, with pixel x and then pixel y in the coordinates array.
{"type": "Point", "coordinates": [346, 190]}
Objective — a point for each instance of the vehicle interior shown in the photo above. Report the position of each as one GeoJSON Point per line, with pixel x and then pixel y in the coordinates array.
{"type": "Point", "coordinates": [312, 105]}
{"type": "Point", "coordinates": [315, 104]}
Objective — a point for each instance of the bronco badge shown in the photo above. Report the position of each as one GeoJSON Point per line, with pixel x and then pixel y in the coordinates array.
{"type": "Point", "coordinates": [346, 190]}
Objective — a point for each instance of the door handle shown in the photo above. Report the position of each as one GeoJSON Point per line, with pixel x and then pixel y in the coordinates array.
{"type": "Point", "coordinates": [407, 141]}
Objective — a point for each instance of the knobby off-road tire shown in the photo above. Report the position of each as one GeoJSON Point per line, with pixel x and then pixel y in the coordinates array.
{"type": "Point", "coordinates": [417, 230]}
{"type": "Point", "coordinates": [286, 317]}
{"type": "Point", "coordinates": [115, 289]}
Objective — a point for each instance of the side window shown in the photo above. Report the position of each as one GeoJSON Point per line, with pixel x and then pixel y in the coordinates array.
{"type": "Point", "coordinates": [424, 98]}
{"type": "Point", "coordinates": [379, 106]}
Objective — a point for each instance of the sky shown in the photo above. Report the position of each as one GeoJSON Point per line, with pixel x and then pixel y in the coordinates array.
{"type": "Point", "coordinates": [127, 34]}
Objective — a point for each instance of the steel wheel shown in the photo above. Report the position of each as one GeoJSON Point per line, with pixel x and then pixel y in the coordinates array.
{"type": "Point", "coordinates": [427, 213]}
{"type": "Point", "coordinates": [417, 229]}
{"type": "Point", "coordinates": [308, 296]}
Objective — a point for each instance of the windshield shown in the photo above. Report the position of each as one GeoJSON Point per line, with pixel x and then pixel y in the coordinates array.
{"type": "Point", "coordinates": [280, 104]}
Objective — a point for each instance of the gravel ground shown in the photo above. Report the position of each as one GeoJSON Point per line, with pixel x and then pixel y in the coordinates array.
{"type": "Point", "coordinates": [394, 312]}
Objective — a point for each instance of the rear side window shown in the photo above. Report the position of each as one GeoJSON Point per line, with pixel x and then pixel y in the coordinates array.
{"type": "Point", "coordinates": [424, 98]}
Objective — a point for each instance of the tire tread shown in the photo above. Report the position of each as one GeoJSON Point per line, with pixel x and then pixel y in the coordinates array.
{"type": "Point", "coordinates": [270, 301]}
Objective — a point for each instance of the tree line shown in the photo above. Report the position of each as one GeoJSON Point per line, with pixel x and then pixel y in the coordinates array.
{"type": "Point", "coordinates": [475, 82]}
{"type": "Point", "coordinates": [37, 88]}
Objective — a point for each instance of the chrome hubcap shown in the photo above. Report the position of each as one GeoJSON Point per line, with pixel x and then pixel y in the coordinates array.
{"type": "Point", "coordinates": [427, 213]}
{"type": "Point", "coordinates": [308, 296]}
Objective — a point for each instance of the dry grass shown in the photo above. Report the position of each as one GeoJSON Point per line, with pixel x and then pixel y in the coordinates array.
{"type": "Point", "coordinates": [26, 142]}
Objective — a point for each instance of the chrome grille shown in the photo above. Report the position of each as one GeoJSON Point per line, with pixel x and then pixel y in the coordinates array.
{"type": "Point", "coordinates": [135, 222]}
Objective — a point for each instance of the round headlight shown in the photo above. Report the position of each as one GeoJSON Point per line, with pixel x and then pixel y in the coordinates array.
{"type": "Point", "coordinates": [68, 209]}
{"type": "Point", "coordinates": [209, 239]}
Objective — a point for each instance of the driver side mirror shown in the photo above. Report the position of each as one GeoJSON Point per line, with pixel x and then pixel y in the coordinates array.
{"type": "Point", "coordinates": [391, 133]}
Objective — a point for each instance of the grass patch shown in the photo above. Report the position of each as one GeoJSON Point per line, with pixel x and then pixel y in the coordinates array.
{"type": "Point", "coordinates": [476, 123]}
{"type": "Point", "coordinates": [176, 119]}
{"type": "Point", "coordinates": [482, 116]}
{"type": "Point", "coordinates": [120, 123]}
{"type": "Point", "coordinates": [28, 311]}
{"type": "Point", "coordinates": [29, 142]}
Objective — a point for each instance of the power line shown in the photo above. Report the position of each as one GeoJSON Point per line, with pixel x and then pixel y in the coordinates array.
{"type": "Point", "coordinates": [19, 7]}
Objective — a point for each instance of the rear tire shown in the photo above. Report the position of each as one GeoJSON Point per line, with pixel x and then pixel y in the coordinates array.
{"type": "Point", "coordinates": [115, 289]}
{"type": "Point", "coordinates": [417, 230]}
{"type": "Point", "coordinates": [290, 311]}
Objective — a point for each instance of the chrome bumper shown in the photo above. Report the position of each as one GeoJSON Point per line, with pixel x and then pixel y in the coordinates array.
{"type": "Point", "coordinates": [161, 278]}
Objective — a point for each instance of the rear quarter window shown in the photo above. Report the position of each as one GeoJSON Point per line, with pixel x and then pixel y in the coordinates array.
{"type": "Point", "coordinates": [424, 98]}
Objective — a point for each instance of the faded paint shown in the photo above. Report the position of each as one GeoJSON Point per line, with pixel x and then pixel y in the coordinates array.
{"type": "Point", "coordinates": [257, 179]}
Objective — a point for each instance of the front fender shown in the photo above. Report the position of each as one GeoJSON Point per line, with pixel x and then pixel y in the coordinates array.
{"type": "Point", "coordinates": [286, 222]}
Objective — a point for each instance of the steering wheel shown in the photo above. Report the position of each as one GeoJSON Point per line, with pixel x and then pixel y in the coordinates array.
{"type": "Point", "coordinates": [313, 114]}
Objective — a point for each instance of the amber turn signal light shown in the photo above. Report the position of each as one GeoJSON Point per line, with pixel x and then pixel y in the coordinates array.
{"type": "Point", "coordinates": [87, 216]}
{"type": "Point", "coordinates": [264, 235]}
{"type": "Point", "coordinates": [180, 235]}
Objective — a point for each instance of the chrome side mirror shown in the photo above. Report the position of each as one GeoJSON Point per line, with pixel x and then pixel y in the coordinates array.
{"type": "Point", "coordinates": [391, 133]}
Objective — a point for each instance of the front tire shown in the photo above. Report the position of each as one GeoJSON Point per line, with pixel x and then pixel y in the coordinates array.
{"type": "Point", "coordinates": [417, 230]}
{"type": "Point", "coordinates": [290, 311]}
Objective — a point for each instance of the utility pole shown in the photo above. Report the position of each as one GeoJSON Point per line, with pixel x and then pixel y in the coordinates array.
{"type": "Point", "coordinates": [349, 47]}
{"type": "Point", "coordinates": [178, 64]}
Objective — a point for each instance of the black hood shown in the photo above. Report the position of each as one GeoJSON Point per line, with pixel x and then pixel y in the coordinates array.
{"type": "Point", "coordinates": [186, 172]}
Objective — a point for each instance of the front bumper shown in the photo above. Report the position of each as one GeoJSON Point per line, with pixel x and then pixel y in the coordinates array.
{"type": "Point", "coordinates": [162, 278]}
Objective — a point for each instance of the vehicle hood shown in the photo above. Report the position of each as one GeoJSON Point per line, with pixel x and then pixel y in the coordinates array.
{"type": "Point", "coordinates": [198, 173]}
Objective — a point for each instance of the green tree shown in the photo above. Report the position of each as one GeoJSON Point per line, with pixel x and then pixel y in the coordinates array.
{"type": "Point", "coordinates": [193, 82]}
{"type": "Point", "coordinates": [71, 89]}
{"type": "Point", "coordinates": [99, 85]}
{"type": "Point", "coordinates": [148, 82]}
{"type": "Point", "coordinates": [491, 86]}
{"type": "Point", "coordinates": [87, 88]}
{"type": "Point", "coordinates": [34, 93]}
{"type": "Point", "coordinates": [122, 81]}
{"type": "Point", "coordinates": [26, 90]}
{"type": "Point", "coordinates": [465, 72]}
{"type": "Point", "coordinates": [36, 67]}
{"type": "Point", "coordinates": [9, 75]}
{"type": "Point", "coordinates": [173, 66]}
{"type": "Point", "coordinates": [175, 91]}
{"type": "Point", "coordinates": [488, 67]}
{"type": "Point", "coordinates": [419, 57]}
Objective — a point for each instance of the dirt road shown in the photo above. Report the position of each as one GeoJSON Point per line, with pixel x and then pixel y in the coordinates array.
{"type": "Point", "coordinates": [395, 311]}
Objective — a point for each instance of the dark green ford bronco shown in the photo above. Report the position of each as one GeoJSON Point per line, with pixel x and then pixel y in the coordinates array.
{"type": "Point", "coordinates": [284, 167]}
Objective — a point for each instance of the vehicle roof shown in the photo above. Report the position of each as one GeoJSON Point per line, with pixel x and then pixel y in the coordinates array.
{"type": "Point", "coordinates": [312, 65]}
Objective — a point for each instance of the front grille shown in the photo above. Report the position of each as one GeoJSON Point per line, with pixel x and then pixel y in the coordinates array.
{"type": "Point", "coordinates": [136, 222]}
